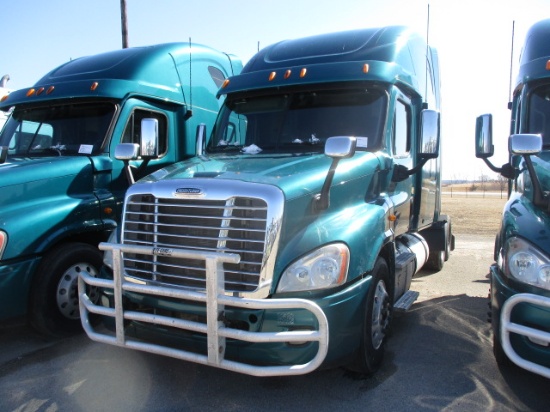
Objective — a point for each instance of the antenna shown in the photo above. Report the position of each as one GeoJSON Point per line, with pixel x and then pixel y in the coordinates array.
{"type": "Point", "coordinates": [427, 54]}
{"type": "Point", "coordinates": [511, 63]}
{"type": "Point", "coordinates": [190, 77]}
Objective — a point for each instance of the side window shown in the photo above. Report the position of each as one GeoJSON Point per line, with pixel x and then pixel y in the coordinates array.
{"type": "Point", "coordinates": [401, 130]}
{"type": "Point", "coordinates": [133, 128]}
{"type": "Point", "coordinates": [217, 75]}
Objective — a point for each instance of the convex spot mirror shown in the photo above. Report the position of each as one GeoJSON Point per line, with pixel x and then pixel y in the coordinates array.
{"type": "Point", "coordinates": [340, 147]}
{"type": "Point", "coordinates": [525, 144]}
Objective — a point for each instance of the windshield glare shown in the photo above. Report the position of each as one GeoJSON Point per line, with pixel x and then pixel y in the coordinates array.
{"type": "Point", "coordinates": [298, 121]}
{"type": "Point", "coordinates": [63, 130]}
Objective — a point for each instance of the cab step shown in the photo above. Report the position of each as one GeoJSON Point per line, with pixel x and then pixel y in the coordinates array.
{"type": "Point", "coordinates": [406, 301]}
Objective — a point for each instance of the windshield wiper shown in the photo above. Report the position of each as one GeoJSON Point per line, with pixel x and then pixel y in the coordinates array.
{"type": "Point", "coordinates": [225, 148]}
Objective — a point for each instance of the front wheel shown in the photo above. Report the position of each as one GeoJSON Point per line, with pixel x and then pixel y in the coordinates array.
{"type": "Point", "coordinates": [53, 306]}
{"type": "Point", "coordinates": [377, 320]}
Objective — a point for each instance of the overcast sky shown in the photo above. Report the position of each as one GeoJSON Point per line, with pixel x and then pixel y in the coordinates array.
{"type": "Point", "coordinates": [473, 38]}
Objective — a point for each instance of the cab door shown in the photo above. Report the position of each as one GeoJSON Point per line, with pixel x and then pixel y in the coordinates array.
{"type": "Point", "coordinates": [401, 190]}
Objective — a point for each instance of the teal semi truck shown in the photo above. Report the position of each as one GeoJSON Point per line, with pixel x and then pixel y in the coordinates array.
{"type": "Point", "coordinates": [62, 186]}
{"type": "Point", "coordinates": [287, 242]}
{"type": "Point", "coordinates": [520, 276]}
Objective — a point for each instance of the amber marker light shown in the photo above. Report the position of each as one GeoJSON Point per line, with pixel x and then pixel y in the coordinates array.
{"type": "Point", "coordinates": [107, 210]}
{"type": "Point", "coordinates": [272, 76]}
{"type": "Point", "coordinates": [30, 92]}
{"type": "Point", "coordinates": [225, 83]}
{"type": "Point", "coordinates": [94, 86]}
{"type": "Point", "coordinates": [366, 68]}
{"type": "Point", "coordinates": [548, 65]}
{"type": "Point", "coordinates": [50, 89]}
{"type": "Point", "coordinates": [39, 91]}
{"type": "Point", "coordinates": [392, 218]}
{"type": "Point", "coordinates": [288, 73]}
{"type": "Point", "coordinates": [4, 98]}
{"type": "Point", "coordinates": [303, 72]}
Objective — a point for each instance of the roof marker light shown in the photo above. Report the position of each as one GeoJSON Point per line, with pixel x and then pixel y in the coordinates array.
{"type": "Point", "coordinates": [366, 68]}
{"type": "Point", "coordinates": [225, 83]}
{"type": "Point", "coordinates": [30, 92]}
{"type": "Point", "coordinates": [272, 76]}
{"type": "Point", "coordinates": [94, 86]}
{"type": "Point", "coordinates": [303, 72]}
{"type": "Point", "coordinates": [39, 91]}
{"type": "Point", "coordinates": [288, 73]}
{"type": "Point", "coordinates": [548, 65]}
{"type": "Point", "coordinates": [50, 89]}
{"type": "Point", "coordinates": [4, 98]}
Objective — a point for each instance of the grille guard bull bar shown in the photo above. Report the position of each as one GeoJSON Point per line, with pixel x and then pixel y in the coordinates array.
{"type": "Point", "coordinates": [215, 301]}
{"type": "Point", "coordinates": [507, 327]}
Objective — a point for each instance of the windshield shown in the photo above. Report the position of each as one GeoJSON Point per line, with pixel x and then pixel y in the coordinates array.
{"type": "Point", "coordinates": [63, 130]}
{"type": "Point", "coordinates": [539, 114]}
{"type": "Point", "coordinates": [299, 121]}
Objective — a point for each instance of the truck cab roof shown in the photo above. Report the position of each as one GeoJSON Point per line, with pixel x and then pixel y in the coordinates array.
{"type": "Point", "coordinates": [393, 54]}
{"type": "Point", "coordinates": [125, 72]}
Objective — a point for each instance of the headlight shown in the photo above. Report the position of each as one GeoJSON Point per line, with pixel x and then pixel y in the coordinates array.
{"type": "Point", "coordinates": [3, 242]}
{"type": "Point", "coordinates": [526, 263]}
{"type": "Point", "coordinates": [323, 268]}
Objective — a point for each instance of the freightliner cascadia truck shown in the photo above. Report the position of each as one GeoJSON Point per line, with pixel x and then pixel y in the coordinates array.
{"type": "Point", "coordinates": [286, 243]}
{"type": "Point", "coordinates": [520, 276]}
{"type": "Point", "coordinates": [61, 184]}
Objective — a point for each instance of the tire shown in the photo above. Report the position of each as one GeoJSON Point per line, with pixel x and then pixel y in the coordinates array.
{"type": "Point", "coordinates": [448, 247]}
{"type": "Point", "coordinates": [436, 260]}
{"type": "Point", "coordinates": [376, 322]}
{"type": "Point", "coordinates": [53, 303]}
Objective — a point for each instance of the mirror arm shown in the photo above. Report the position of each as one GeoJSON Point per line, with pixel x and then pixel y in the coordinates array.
{"type": "Point", "coordinates": [401, 172]}
{"type": "Point", "coordinates": [3, 154]}
{"type": "Point", "coordinates": [322, 200]}
{"type": "Point", "coordinates": [506, 170]}
{"type": "Point", "coordinates": [128, 172]}
{"type": "Point", "coordinates": [492, 166]}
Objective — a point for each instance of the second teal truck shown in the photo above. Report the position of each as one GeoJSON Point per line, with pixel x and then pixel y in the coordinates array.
{"type": "Point", "coordinates": [520, 276]}
{"type": "Point", "coordinates": [61, 184]}
{"type": "Point", "coordinates": [287, 242]}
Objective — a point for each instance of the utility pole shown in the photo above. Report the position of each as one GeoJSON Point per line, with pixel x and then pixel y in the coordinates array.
{"type": "Point", "coordinates": [124, 23]}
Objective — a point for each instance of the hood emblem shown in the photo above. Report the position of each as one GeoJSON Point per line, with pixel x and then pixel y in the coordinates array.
{"type": "Point", "coordinates": [188, 191]}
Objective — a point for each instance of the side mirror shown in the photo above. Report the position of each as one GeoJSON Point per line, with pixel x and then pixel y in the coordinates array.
{"type": "Point", "coordinates": [485, 148]}
{"type": "Point", "coordinates": [127, 152]}
{"type": "Point", "coordinates": [525, 144]}
{"type": "Point", "coordinates": [484, 136]}
{"type": "Point", "coordinates": [430, 134]}
{"type": "Point", "coordinates": [336, 147]}
{"type": "Point", "coordinates": [149, 137]}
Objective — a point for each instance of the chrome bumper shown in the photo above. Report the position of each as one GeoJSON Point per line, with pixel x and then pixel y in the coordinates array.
{"type": "Point", "coordinates": [215, 300]}
{"type": "Point", "coordinates": [507, 327]}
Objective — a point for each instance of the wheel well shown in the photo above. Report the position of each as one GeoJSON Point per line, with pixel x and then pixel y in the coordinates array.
{"type": "Point", "coordinates": [91, 238]}
{"type": "Point", "coordinates": [388, 254]}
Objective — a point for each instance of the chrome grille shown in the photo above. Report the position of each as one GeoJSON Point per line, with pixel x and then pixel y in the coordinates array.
{"type": "Point", "coordinates": [236, 225]}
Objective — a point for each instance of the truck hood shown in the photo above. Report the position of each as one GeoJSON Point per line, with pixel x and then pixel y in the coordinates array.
{"type": "Point", "coordinates": [295, 175]}
{"type": "Point", "coordinates": [21, 174]}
